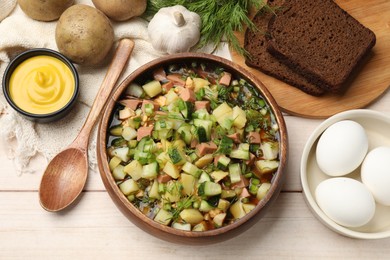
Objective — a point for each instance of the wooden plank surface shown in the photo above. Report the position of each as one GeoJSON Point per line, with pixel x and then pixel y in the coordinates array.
{"type": "Point", "coordinates": [370, 83]}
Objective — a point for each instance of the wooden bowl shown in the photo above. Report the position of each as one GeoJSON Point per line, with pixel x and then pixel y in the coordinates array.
{"type": "Point", "coordinates": [166, 232]}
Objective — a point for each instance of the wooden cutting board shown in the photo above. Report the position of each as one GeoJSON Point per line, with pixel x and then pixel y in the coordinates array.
{"type": "Point", "coordinates": [371, 81]}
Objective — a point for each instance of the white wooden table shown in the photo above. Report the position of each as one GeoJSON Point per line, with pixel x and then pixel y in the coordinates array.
{"type": "Point", "coordinates": [95, 229]}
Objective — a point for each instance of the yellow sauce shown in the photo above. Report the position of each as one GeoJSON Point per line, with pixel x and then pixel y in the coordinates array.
{"type": "Point", "coordinates": [41, 85]}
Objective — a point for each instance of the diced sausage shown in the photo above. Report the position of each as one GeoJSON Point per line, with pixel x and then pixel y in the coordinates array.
{"type": "Point", "coordinates": [254, 138]}
{"type": "Point", "coordinates": [202, 104]}
{"type": "Point", "coordinates": [251, 160]}
{"type": "Point", "coordinates": [145, 101]}
{"type": "Point", "coordinates": [194, 143]}
{"type": "Point", "coordinates": [130, 103]}
{"type": "Point", "coordinates": [244, 193]}
{"type": "Point", "coordinates": [235, 137]}
{"type": "Point", "coordinates": [225, 79]}
{"type": "Point", "coordinates": [160, 75]}
{"type": "Point", "coordinates": [187, 95]}
{"type": "Point", "coordinates": [176, 79]}
{"type": "Point", "coordinates": [163, 178]}
{"type": "Point", "coordinates": [206, 148]}
{"type": "Point", "coordinates": [167, 86]}
{"type": "Point", "coordinates": [144, 131]}
{"type": "Point", "coordinates": [241, 184]}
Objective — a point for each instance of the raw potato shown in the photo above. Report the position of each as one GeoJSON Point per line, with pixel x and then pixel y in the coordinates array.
{"type": "Point", "coordinates": [84, 34]}
{"type": "Point", "coordinates": [121, 10]}
{"type": "Point", "coordinates": [44, 10]}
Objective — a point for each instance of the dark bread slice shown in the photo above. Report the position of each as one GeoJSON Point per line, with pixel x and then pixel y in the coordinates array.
{"type": "Point", "coordinates": [319, 40]}
{"type": "Point", "coordinates": [256, 45]}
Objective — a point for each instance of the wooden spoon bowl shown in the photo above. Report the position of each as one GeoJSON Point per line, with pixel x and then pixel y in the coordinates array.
{"type": "Point", "coordinates": [166, 232]}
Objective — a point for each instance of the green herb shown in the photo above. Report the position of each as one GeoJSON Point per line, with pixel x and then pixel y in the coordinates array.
{"type": "Point", "coordinates": [184, 203]}
{"type": "Point", "coordinates": [220, 19]}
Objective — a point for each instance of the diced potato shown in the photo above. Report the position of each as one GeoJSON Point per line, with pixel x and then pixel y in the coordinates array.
{"type": "Point", "coordinates": [126, 113]}
{"type": "Point", "coordinates": [248, 207]}
{"type": "Point", "coordinates": [218, 175]}
{"type": "Point", "coordinates": [191, 169]}
{"type": "Point", "coordinates": [188, 182]}
{"type": "Point", "coordinates": [163, 217]}
{"type": "Point", "coordinates": [189, 83]}
{"type": "Point", "coordinates": [191, 216]}
{"type": "Point", "coordinates": [218, 219]}
{"type": "Point", "coordinates": [118, 172]}
{"type": "Point", "coordinates": [262, 191]}
{"type": "Point", "coordinates": [221, 110]}
{"type": "Point", "coordinates": [267, 166]}
{"type": "Point", "coordinates": [223, 204]}
{"type": "Point", "coordinates": [205, 160]}
{"type": "Point", "coordinates": [171, 170]}
{"type": "Point", "coordinates": [237, 210]}
{"type": "Point", "coordinates": [153, 193]}
{"type": "Point", "coordinates": [152, 88]}
{"type": "Point", "coordinates": [171, 97]}
{"type": "Point", "coordinates": [239, 117]}
{"type": "Point", "coordinates": [114, 162]}
{"type": "Point", "coordinates": [200, 83]}
{"type": "Point", "coordinates": [182, 226]}
{"type": "Point", "coordinates": [129, 187]}
{"type": "Point", "coordinates": [270, 150]}
{"type": "Point", "coordinates": [122, 153]}
{"type": "Point", "coordinates": [200, 227]}
{"type": "Point", "coordinates": [134, 169]}
{"type": "Point", "coordinates": [129, 133]}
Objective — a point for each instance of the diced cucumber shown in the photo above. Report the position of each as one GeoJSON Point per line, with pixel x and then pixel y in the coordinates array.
{"type": "Point", "coordinates": [177, 156]}
{"type": "Point", "coordinates": [206, 125]}
{"type": "Point", "coordinates": [129, 187]}
{"type": "Point", "coordinates": [223, 162]}
{"type": "Point", "coordinates": [134, 169]}
{"type": "Point", "coordinates": [191, 216]}
{"type": "Point", "coordinates": [118, 172]}
{"type": "Point", "coordinates": [226, 121]}
{"type": "Point", "coordinates": [202, 134]}
{"type": "Point", "coordinates": [114, 162]}
{"type": "Point", "coordinates": [135, 90]}
{"type": "Point", "coordinates": [191, 169]}
{"type": "Point", "coordinates": [134, 122]}
{"type": "Point", "coordinates": [208, 188]}
{"type": "Point", "coordinates": [116, 130]}
{"type": "Point", "coordinates": [218, 219]}
{"type": "Point", "coordinates": [262, 191]}
{"type": "Point", "coordinates": [239, 117]}
{"type": "Point", "coordinates": [152, 88]}
{"type": "Point", "coordinates": [199, 227]}
{"type": "Point", "coordinates": [267, 166]}
{"type": "Point", "coordinates": [228, 194]}
{"type": "Point", "coordinates": [150, 171]}
{"type": "Point", "coordinates": [201, 114]}
{"type": "Point", "coordinates": [182, 226]}
{"type": "Point", "coordinates": [240, 153]}
{"type": "Point", "coordinates": [185, 108]}
{"type": "Point", "coordinates": [235, 172]}
{"type": "Point", "coordinates": [163, 217]}
{"type": "Point", "coordinates": [237, 210]}
{"type": "Point", "coordinates": [171, 97]}
{"type": "Point", "coordinates": [205, 206]}
{"type": "Point", "coordinates": [188, 182]}
{"type": "Point", "coordinates": [204, 177]}
{"type": "Point", "coordinates": [129, 133]}
{"type": "Point", "coordinates": [122, 153]}
{"type": "Point", "coordinates": [218, 175]}
{"type": "Point", "coordinates": [204, 160]}
{"type": "Point", "coordinates": [270, 150]}
{"type": "Point", "coordinates": [171, 170]}
{"type": "Point", "coordinates": [153, 192]}
{"type": "Point", "coordinates": [185, 133]}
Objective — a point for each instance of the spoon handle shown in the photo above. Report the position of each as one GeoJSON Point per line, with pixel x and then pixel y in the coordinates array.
{"type": "Point", "coordinates": [121, 56]}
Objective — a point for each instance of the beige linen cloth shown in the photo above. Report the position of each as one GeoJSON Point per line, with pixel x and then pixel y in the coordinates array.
{"type": "Point", "coordinates": [25, 139]}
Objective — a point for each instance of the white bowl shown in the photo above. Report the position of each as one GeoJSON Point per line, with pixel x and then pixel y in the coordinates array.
{"type": "Point", "coordinates": [377, 126]}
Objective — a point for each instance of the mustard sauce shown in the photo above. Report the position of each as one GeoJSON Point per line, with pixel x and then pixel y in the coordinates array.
{"type": "Point", "coordinates": [41, 85]}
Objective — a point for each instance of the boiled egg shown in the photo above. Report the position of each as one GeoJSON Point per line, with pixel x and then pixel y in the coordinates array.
{"type": "Point", "coordinates": [341, 148]}
{"type": "Point", "coordinates": [375, 173]}
{"type": "Point", "coordinates": [346, 201]}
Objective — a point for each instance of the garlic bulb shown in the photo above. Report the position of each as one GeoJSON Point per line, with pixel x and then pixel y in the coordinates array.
{"type": "Point", "coordinates": [6, 7]}
{"type": "Point", "coordinates": [174, 29]}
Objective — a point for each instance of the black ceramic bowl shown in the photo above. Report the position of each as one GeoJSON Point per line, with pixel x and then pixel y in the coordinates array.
{"type": "Point", "coordinates": [51, 116]}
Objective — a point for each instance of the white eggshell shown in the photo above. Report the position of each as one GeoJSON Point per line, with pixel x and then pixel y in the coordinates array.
{"type": "Point", "coordinates": [346, 201]}
{"type": "Point", "coordinates": [375, 173]}
{"type": "Point", "coordinates": [341, 148]}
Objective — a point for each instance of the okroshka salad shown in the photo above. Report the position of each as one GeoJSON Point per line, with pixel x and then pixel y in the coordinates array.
{"type": "Point", "coordinates": [193, 147]}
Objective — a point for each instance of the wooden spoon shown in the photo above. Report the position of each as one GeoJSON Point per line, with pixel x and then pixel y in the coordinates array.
{"type": "Point", "coordinates": [65, 176]}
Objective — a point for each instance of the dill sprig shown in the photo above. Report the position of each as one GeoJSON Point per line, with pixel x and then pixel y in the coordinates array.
{"type": "Point", "coordinates": [220, 19]}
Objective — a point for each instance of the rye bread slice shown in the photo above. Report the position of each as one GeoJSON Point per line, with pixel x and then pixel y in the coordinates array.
{"type": "Point", "coordinates": [256, 45]}
{"type": "Point", "coordinates": [319, 40]}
